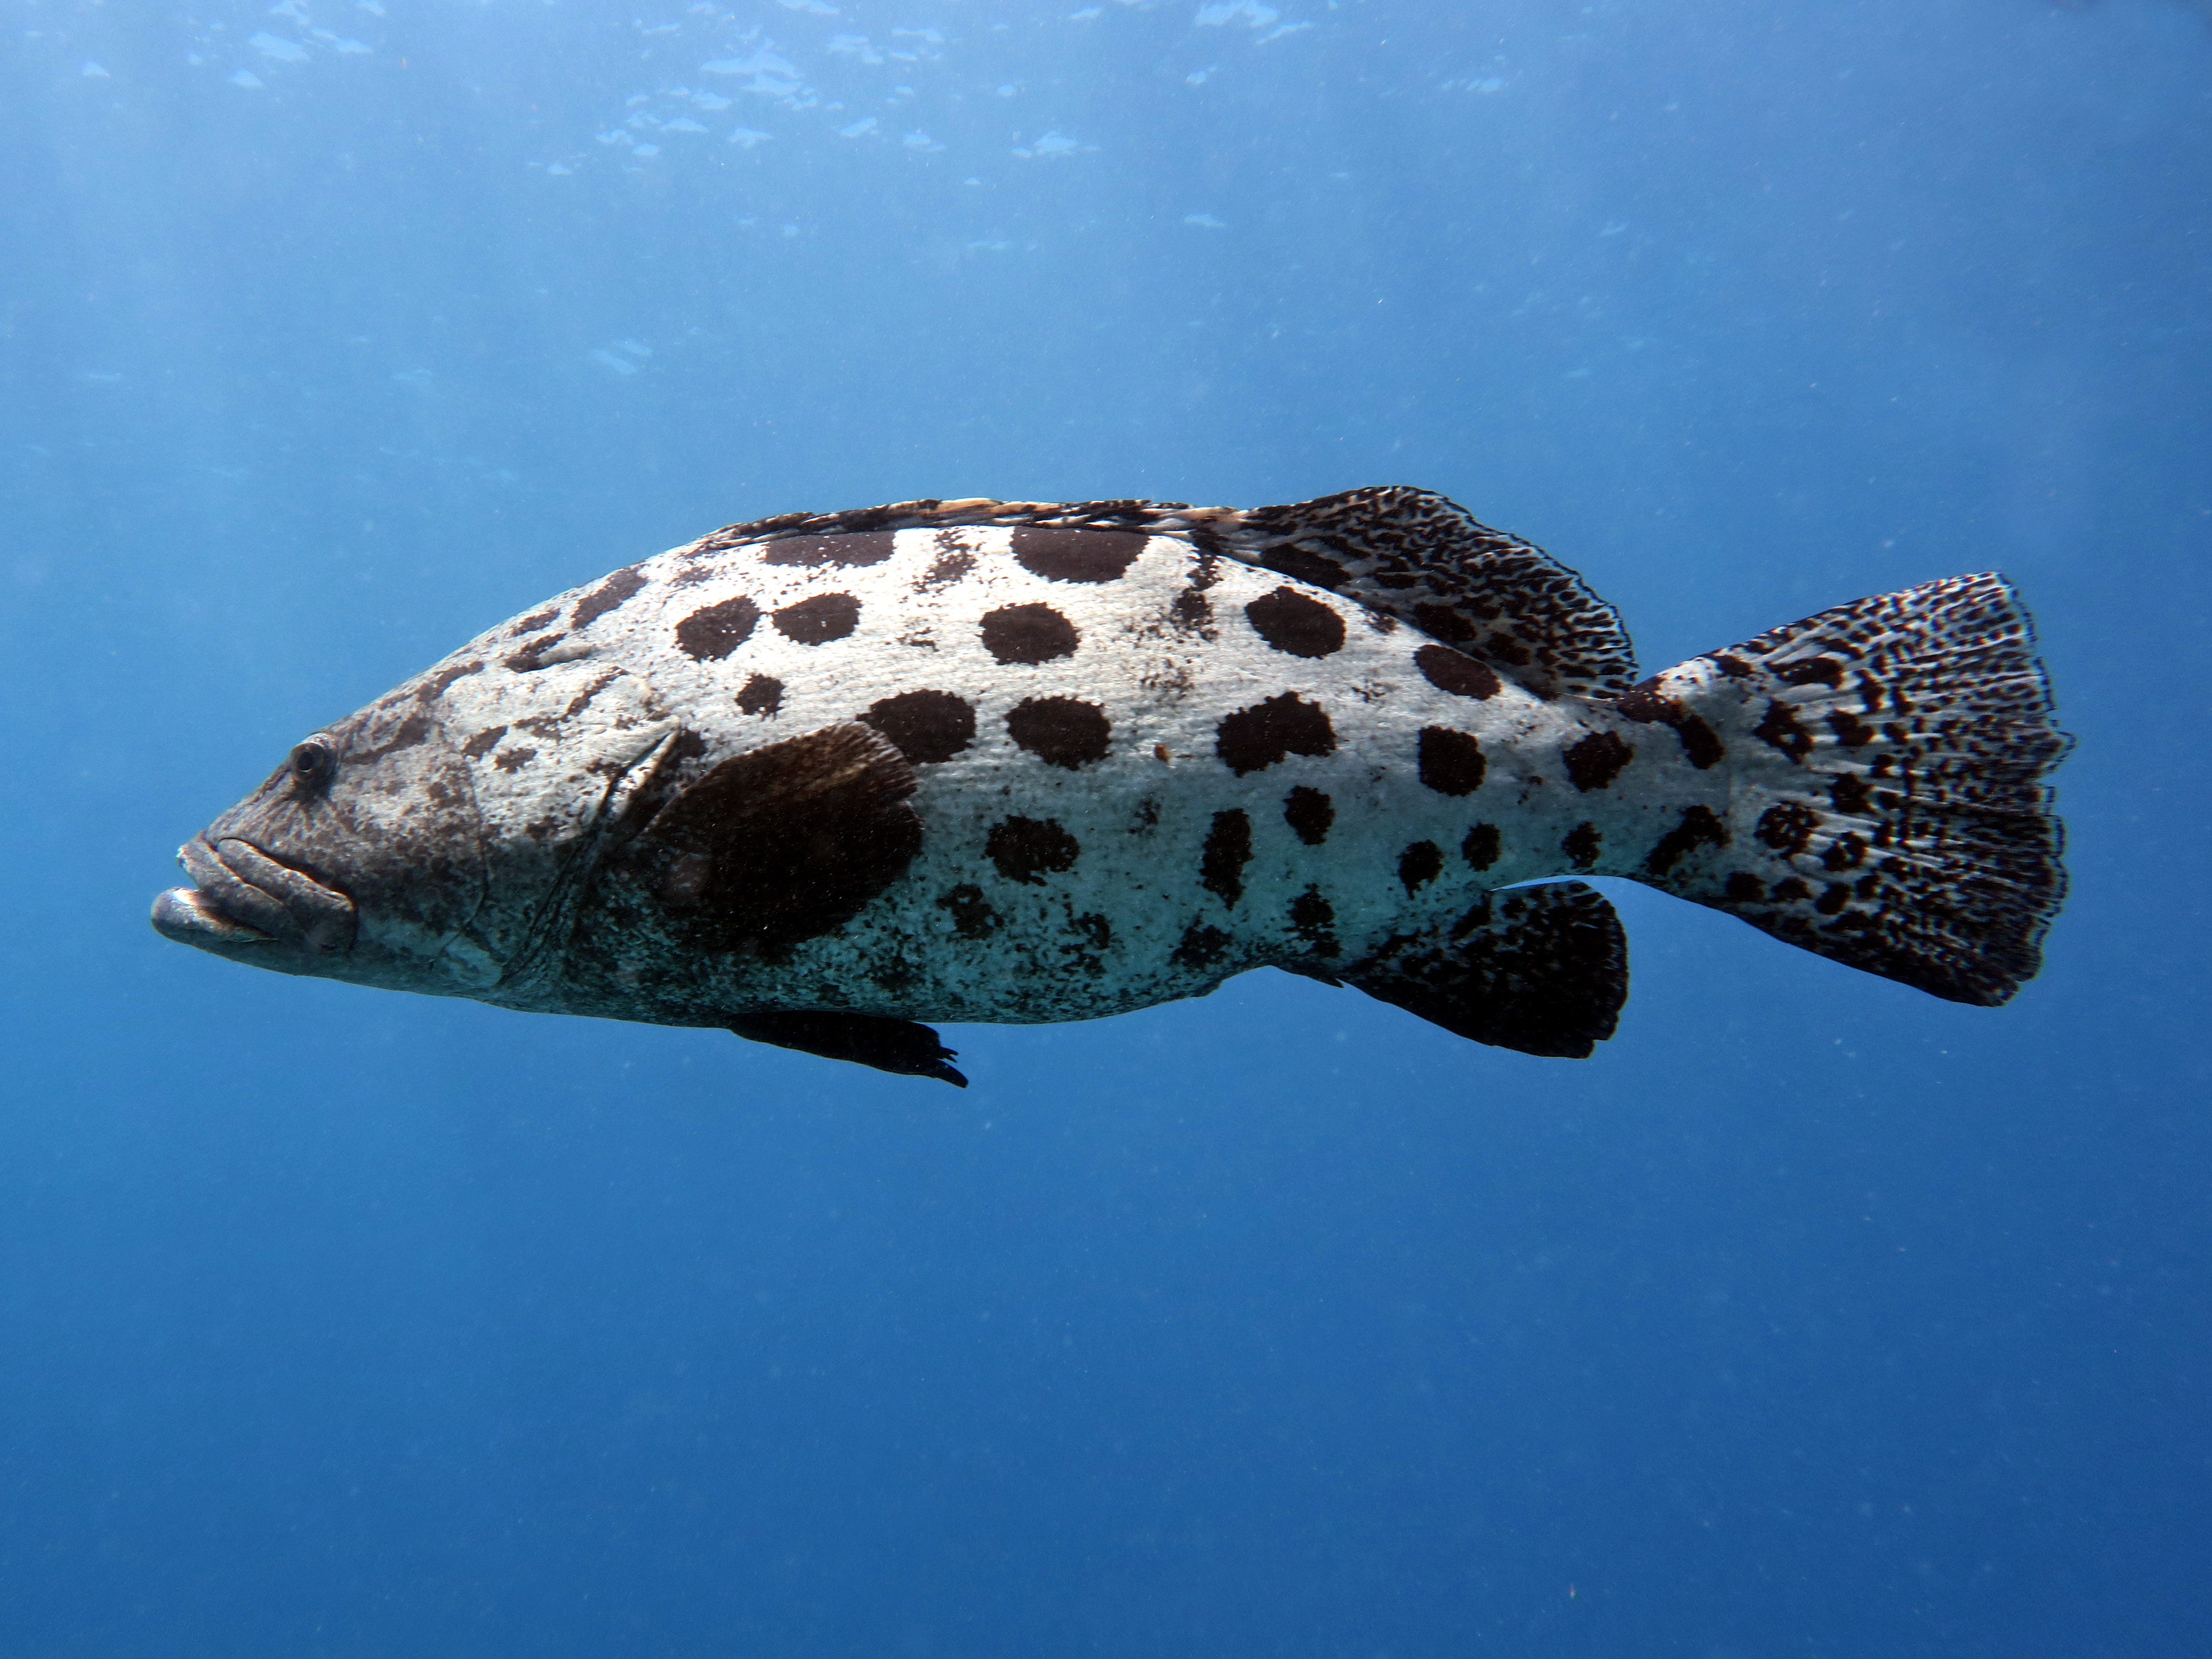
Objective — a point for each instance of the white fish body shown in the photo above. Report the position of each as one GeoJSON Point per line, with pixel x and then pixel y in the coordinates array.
{"type": "Point", "coordinates": [818, 779]}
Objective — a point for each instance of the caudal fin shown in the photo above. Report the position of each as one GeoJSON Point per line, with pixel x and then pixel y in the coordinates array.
{"type": "Point", "coordinates": [1887, 804]}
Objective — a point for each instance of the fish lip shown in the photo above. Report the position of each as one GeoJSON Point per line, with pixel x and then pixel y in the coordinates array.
{"type": "Point", "coordinates": [189, 916]}
{"type": "Point", "coordinates": [244, 896]}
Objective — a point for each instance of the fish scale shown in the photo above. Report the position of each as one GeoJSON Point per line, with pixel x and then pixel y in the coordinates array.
{"type": "Point", "coordinates": [822, 777]}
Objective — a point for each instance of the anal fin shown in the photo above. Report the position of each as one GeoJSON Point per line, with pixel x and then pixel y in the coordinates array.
{"type": "Point", "coordinates": [1542, 970]}
{"type": "Point", "coordinates": [889, 1045]}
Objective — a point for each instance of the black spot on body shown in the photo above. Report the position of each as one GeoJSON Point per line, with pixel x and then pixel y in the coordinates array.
{"type": "Point", "coordinates": [1596, 761]}
{"type": "Point", "coordinates": [1076, 556]}
{"type": "Point", "coordinates": [1311, 813]}
{"type": "Point", "coordinates": [525, 660]}
{"type": "Point", "coordinates": [1228, 850]}
{"type": "Point", "coordinates": [1028, 634]}
{"type": "Point", "coordinates": [484, 743]}
{"type": "Point", "coordinates": [1094, 934]}
{"type": "Point", "coordinates": [533, 621]}
{"type": "Point", "coordinates": [1451, 763]}
{"type": "Point", "coordinates": [1699, 828]}
{"type": "Point", "coordinates": [1419, 865]}
{"type": "Point", "coordinates": [818, 621]}
{"type": "Point", "coordinates": [953, 561]}
{"type": "Point", "coordinates": [1029, 849]}
{"type": "Point", "coordinates": [764, 696]}
{"type": "Point", "coordinates": [1201, 947]}
{"type": "Point", "coordinates": [1295, 624]}
{"type": "Point", "coordinates": [1701, 744]}
{"type": "Point", "coordinates": [513, 760]}
{"type": "Point", "coordinates": [1193, 612]}
{"type": "Point", "coordinates": [1780, 728]}
{"type": "Point", "coordinates": [926, 726]}
{"type": "Point", "coordinates": [710, 633]}
{"type": "Point", "coordinates": [972, 916]}
{"type": "Point", "coordinates": [1582, 844]}
{"type": "Point", "coordinates": [445, 677]}
{"type": "Point", "coordinates": [415, 729]}
{"type": "Point", "coordinates": [1451, 671]}
{"type": "Point", "coordinates": [1313, 918]}
{"type": "Point", "coordinates": [1060, 731]}
{"type": "Point", "coordinates": [1744, 887]}
{"type": "Point", "coordinates": [1791, 891]}
{"type": "Point", "coordinates": [606, 596]}
{"type": "Point", "coordinates": [1788, 827]}
{"type": "Point", "coordinates": [1481, 846]}
{"type": "Point", "coordinates": [1258, 737]}
{"type": "Point", "coordinates": [814, 551]}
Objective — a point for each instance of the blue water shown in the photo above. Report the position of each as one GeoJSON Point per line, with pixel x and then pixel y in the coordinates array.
{"type": "Point", "coordinates": [1813, 1317]}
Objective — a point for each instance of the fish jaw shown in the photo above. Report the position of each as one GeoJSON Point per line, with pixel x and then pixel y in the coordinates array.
{"type": "Point", "coordinates": [247, 906]}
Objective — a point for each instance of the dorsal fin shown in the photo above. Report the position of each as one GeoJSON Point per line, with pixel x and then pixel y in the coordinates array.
{"type": "Point", "coordinates": [1410, 554]}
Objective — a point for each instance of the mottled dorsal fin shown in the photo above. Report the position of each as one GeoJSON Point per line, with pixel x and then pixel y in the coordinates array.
{"type": "Point", "coordinates": [1410, 554]}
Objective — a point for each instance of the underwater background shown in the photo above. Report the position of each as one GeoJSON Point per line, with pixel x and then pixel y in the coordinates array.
{"type": "Point", "coordinates": [1812, 1317]}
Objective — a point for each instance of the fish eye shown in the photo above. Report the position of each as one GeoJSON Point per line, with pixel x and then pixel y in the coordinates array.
{"type": "Point", "coordinates": [311, 763]}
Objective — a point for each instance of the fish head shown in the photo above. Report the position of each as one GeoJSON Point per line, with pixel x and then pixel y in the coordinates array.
{"type": "Point", "coordinates": [425, 844]}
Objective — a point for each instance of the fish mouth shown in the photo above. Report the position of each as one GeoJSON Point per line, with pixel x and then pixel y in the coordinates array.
{"type": "Point", "coordinates": [248, 904]}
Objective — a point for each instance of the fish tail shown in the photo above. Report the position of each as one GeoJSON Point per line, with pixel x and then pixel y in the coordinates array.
{"type": "Point", "coordinates": [1883, 768]}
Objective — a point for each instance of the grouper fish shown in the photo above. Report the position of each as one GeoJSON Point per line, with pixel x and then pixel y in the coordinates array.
{"type": "Point", "coordinates": [819, 778]}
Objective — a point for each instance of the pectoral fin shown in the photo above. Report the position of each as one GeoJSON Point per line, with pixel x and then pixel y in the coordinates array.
{"type": "Point", "coordinates": [785, 842]}
{"type": "Point", "coordinates": [888, 1045]}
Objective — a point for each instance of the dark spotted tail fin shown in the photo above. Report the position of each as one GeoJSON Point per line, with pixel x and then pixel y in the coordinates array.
{"type": "Point", "coordinates": [1884, 765]}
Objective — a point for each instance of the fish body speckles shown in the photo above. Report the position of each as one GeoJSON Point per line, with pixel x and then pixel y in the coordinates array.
{"type": "Point", "coordinates": [817, 780]}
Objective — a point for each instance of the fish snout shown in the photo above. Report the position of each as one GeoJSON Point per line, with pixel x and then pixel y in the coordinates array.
{"type": "Point", "coordinates": [244, 899]}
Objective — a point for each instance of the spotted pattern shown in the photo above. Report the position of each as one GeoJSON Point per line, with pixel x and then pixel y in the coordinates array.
{"type": "Point", "coordinates": [1228, 850]}
{"type": "Point", "coordinates": [1419, 865]}
{"type": "Point", "coordinates": [928, 727]}
{"type": "Point", "coordinates": [762, 695]}
{"type": "Point", "coordinates": [1296, 625]}
{"type": "Point", "coordinates": [818, 621]}
{"type": "Point", "coordinates": [1076, 556]}
{"type": "Point", "coordinates": [815, 551]}
{"type": "Point", "coordinates": [1258, 737]}
{"type": "Point", "coordinates": [1060, 731]}
{"type": "Point", "coordinates": [1313, 919]}
{"type": "Point", "coordinates": [1200, 947]}
{"type": "Point", "coordinates": [1582, 845]}
{"type": "Point", "coordinates": [1451, 763]}
{"type": "Point", "coordinates": [1028, 634]}
{"type": "Point", "coordinates": [1595, 761]}
{"type": "Point", "coordinates": [1455, 671]}
{"type": "Point", "coordinates": [1029, 849]}
{"type": "Point", "coordinates": [972, 914]}
{"type": "Point", "coordinates": [1481, 846]}
{"type": "Point", "coordinates": [1700, 827]}
{"type": "Point", "coordinates": [710, 633]}
{"type": "Point", "coordinates": [609, 594]}
{"type": "Point", "coordinates": [1310, 813]}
